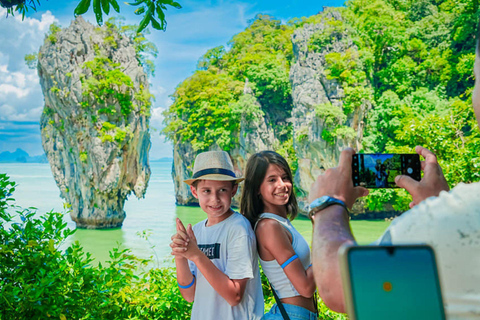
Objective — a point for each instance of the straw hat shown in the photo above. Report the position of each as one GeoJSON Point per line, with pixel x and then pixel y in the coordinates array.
{"type": "Point", "coordinates": [213, 165]}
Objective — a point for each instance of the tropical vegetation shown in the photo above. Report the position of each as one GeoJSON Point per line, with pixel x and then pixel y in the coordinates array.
{"type": "Point", "coordinates": [412, 61]}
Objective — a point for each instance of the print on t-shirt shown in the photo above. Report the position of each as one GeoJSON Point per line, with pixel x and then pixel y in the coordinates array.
{"type": "Point", "coordinates": [212, 251]}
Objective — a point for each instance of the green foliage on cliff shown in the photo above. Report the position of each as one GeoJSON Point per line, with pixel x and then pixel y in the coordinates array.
{"type": "Point", "coordinates": [209, 106]}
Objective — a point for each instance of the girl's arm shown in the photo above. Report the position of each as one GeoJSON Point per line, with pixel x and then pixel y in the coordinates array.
{"type": "Point", "coordinates": [274, 243]}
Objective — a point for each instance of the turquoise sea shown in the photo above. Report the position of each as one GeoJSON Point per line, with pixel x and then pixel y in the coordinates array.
{"type": "Point", "coordinates": [155, 213]}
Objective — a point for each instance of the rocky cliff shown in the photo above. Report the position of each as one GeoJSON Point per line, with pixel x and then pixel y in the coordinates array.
{"type": "Point", "coordinates": [95, 123]}
{"type": "Point", "coordinates": [315, 146]}
{"type": "Point", "coordinates": [316, 121]}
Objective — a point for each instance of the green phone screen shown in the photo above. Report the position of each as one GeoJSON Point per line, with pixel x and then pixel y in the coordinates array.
{"type": "Point", "coordinates": [395, 283]}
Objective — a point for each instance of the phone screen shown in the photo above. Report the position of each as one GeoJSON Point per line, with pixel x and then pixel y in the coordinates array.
{"type": "Point", "coordinates": [377, 170]}
{"type": "Point", "coordinates": [394, 282]}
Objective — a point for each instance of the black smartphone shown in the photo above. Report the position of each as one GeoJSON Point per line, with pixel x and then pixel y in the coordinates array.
{"type": "Point", "coordinates": [378, 170]}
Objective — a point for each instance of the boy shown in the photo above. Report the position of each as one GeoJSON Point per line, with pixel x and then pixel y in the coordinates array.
{"type": "Point", "coordinates": [216, 260]}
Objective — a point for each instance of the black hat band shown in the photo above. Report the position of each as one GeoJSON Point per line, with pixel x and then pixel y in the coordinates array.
{"type": "Point", "coordinates": [213, 171]}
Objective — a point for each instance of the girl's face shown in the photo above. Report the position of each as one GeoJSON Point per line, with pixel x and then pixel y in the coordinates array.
{"type": "Point", "coordinates": [275, 190]}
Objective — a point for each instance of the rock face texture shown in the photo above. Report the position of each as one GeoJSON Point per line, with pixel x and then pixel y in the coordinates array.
{"type": "Point", "coordinates": [95, 123]}
{"type": "Point", "coordinates": [310, 88]}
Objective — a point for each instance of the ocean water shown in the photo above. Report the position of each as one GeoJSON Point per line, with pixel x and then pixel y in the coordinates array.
{"type": "Point", "coordinates": [154, 214]}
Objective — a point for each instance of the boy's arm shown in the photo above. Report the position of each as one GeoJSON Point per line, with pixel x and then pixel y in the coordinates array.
{"type": "Point", "coordinates": [231, 290]}
{"type": "Point", "coordinates": [185, 279]}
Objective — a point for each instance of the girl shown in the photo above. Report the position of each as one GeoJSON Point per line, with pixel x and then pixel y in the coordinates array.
{"type": "Point", "coordinates": [268, 202]}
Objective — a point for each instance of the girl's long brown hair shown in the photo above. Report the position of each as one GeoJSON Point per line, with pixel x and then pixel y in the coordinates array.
{"type": "Point", "coordinates": [251, 204]}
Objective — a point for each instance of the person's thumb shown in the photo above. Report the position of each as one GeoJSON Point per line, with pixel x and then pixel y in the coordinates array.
{"type": "Point", "coordinates": [406, 182]}
{"type": "Point", "coordinates": [359, 192]}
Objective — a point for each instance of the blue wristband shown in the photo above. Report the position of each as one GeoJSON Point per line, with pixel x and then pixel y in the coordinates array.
{"type": "Point", "coordinates": [309, 265]}
{"type": "Point", "coordinates": [188, 285]}
{"type": "Point", "coordinates": [286, 263]}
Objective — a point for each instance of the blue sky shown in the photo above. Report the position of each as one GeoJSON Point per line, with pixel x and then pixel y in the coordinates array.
{"type": "Point", "coordinates": [191, 31]}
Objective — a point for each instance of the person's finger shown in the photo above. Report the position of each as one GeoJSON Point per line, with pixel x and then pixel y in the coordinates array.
{"type": "Point", "coordinates": [361, 192]}
{"type": "Point", "coordinates": [346, 158]}
{"type": "Point", "coordinates": [190, 232]}
{"type": "Point", "coordinates": [180, 242]}
{"type": "Point", "coordinates": [428, 155]}
{"type": "Point", "coordinates": [406, 182]}
{"type": "Point", "coordinates": [179, 249]}
{"type": "Point", "coordinates": [180, 225]}
{"type": "Point", "coordinates": [423, 164]}
{"type": "Point", "coordinates": [411, 204]}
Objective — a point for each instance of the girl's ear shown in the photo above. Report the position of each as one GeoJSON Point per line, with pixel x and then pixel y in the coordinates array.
{"type": "Point", "coordinates": [194, 191]}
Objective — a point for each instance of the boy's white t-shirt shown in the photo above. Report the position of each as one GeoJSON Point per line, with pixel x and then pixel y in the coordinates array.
{"type": "Point", "coordinates": [232, 248]}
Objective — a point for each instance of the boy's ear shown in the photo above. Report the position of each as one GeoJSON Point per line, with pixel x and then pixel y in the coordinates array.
{"type": "Point", "coordinates": [194, 191]}
{"type": "Point", "coordinates": [234, 190]}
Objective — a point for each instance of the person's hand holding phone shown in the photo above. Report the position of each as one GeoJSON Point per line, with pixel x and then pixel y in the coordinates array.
{"type": "Point", "coordinates": [432, 183]}
{"type": "Point", "coordinates": [337, 182]}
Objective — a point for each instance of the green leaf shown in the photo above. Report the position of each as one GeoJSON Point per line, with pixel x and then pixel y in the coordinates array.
{"type": "Point", "coordinates": [98, 12]}
{"type": "Point", "coordinates": [115, 5]}
{"type": "Point", "coordinates": [176, 5]}
{"type": "Point", "coordinates": [106, 6]}
{"type": "Point", "coordinates": [135, 3]}
{"type": "Point", "coordinates": [155, 24]}
{"type": "Point", "coordinates": [82, 7]}
{"type": "Point", "coordinates": [144, 23]}
{"type": "Point", "coordinates": [161, 15]}
{"type": "Point", "coordinates": [139, 11]}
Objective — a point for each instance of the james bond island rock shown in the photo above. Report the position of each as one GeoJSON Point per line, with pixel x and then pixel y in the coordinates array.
{"type": "Point", "coordinates": [95, 123]}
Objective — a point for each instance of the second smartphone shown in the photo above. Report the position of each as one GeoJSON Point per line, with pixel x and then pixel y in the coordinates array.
{"type": "Point", "coordinates": [378, 170]}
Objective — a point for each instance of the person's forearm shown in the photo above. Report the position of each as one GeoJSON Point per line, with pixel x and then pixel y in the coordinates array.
{"type": "Point", "coordinates": [223, 285]}
{"type": "Point", "coordinates": [185, 278]}
{"type": "Point", "coordinates": [331, 230]}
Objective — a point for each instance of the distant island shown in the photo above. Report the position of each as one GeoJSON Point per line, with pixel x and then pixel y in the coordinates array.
{"type": "Point", "coordinates": [21, 156]}
{"type": "Point", "coordinates": [165, 159]}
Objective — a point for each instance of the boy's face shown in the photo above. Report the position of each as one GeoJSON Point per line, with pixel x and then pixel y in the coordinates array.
{"type": "Point", "coordinates": [214, 197]}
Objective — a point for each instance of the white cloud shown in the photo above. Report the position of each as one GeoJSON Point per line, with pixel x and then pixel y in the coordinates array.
{"type": "Point", "coordinates": [8, 88]}
{"type": "Point", "coordinates": [156, 121]}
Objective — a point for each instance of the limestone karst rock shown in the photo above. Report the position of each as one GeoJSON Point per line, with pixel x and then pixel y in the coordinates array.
{"type": "Point", "coordinates": [95, 123]}
{"type": "Point", "coordinates": [310, 88]}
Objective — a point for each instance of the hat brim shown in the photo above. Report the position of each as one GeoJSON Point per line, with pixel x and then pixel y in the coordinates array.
{"type": "Point", "coordinates": [217, 177]}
